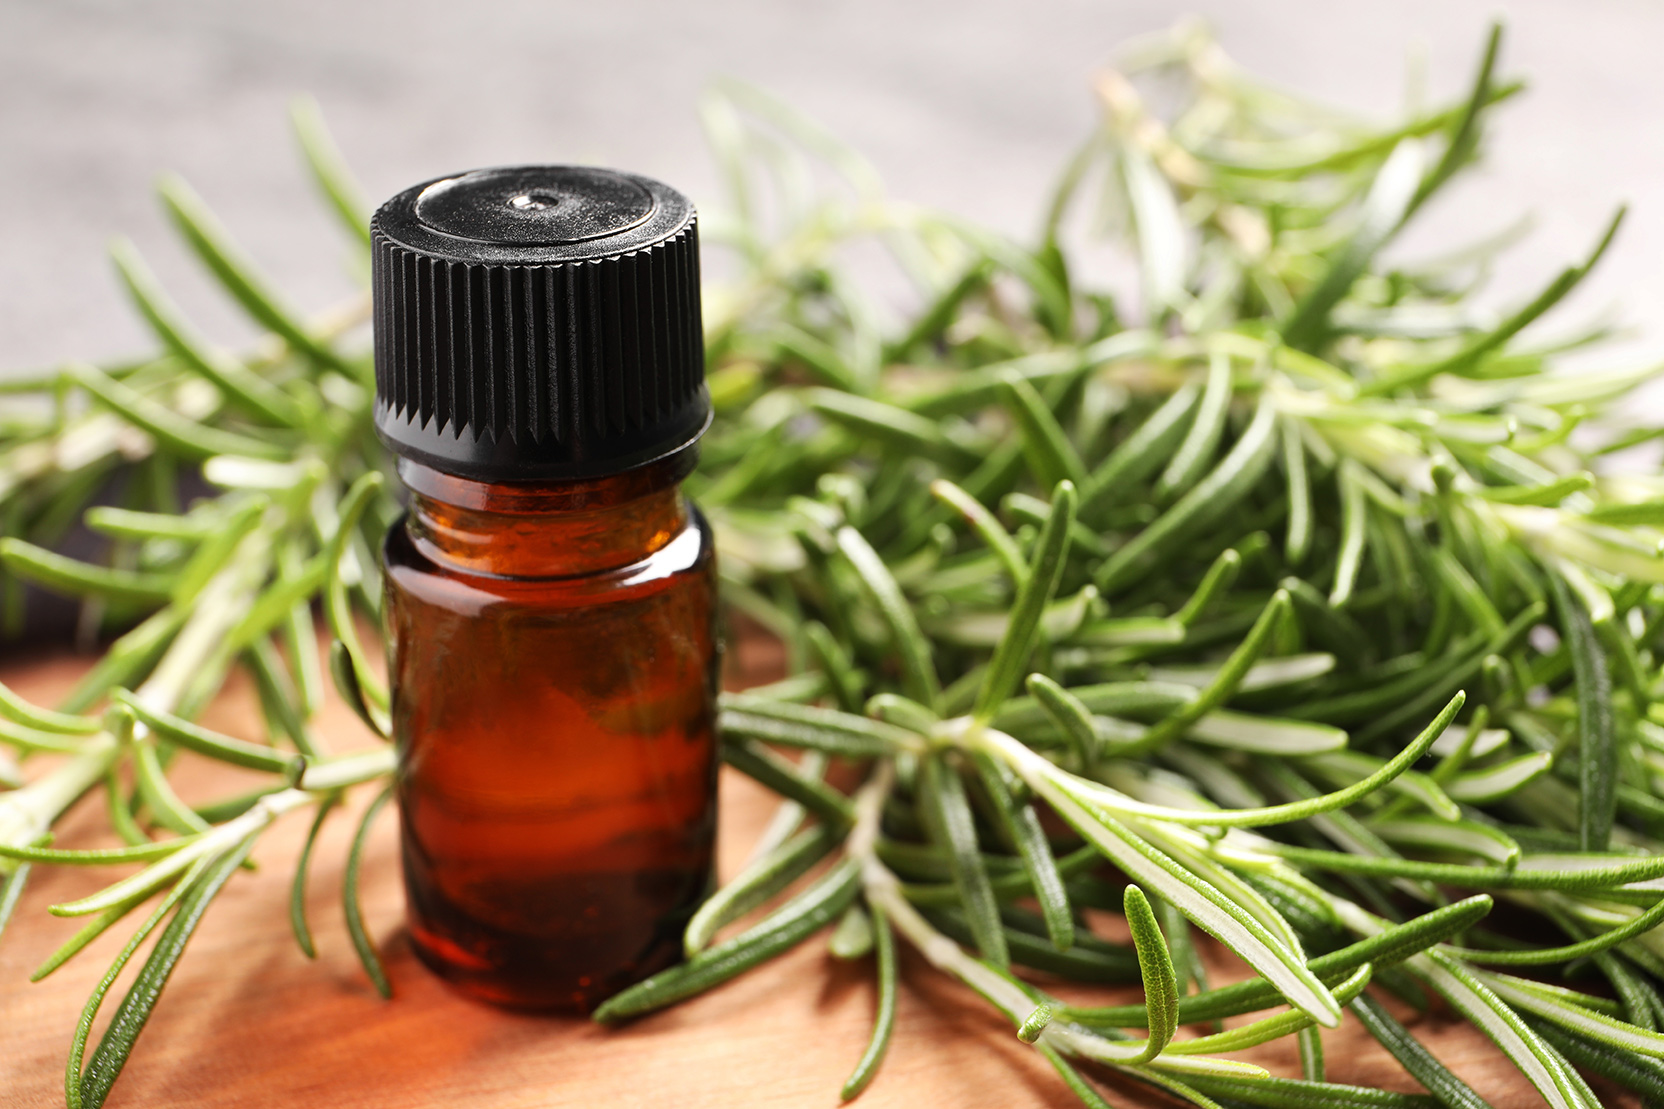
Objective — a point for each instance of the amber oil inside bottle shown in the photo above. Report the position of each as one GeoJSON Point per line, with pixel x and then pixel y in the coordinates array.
{"type": "Point", "coordinates": [554, 670]}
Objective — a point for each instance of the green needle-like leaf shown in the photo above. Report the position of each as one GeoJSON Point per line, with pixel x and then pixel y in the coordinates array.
{"type": "Point", "coordinates": [346, 678]}
{"type": "Point", "coordinates": [1220, 490]}
{"type": "Point", "coordinates": [31, 739]}
{"type": "Point", "coordinates": [1230, 675]}
{"type": "Point", "coordinates": [1161, 983]}
{"type": "Point", "coordinates": [226, 262]}
{"type": "Point", "coordinates": [886, 423]}
{"type": "Point", "coordinates": [1402, 710]}
{"type": "Point", "coordinates": [251, 392]}
{"type": "Point", "coordinates": [1072, 718]}
{"type": "Point", "coordinates": [1139, 455]}
{"type": "Point", "coordinates": [1090, 960]}
{"type": "Point", "coordinates": [336, 603]}
{"type": "Point", "coordinates": [1532, 872]}
{"type": "Point", "coordinates": [1391, 198]}
{"type": "Point", "coordinates": [90, 931]}
{"type": "Point", "coordinates": [1311, 1054]}
{"type": "Point", "coordinates": [1451, 1091]}
{"type": "Point", "coordinates": [1215, 583]}
{"type": "Point", "coordinates": [783, 778]}
{"type": "Point", "coordinates": [66, 575]}
{"type": "Point", "coordinates": [16, 708]}
{"type": "Point", "coordinates": [852, 939]}
{"type": "Point", "coordinates": [1640, 925]}
{"type": "Point", "coordinates": [361, 941]}
{"type": "Point", "coordinates": [108, 1059]}
{"type": "Point", "coordinates": [11, 892]}
{"type": "Point", "coordinates": [1613, 1033]}
{"type": "Point", "coordinates": [279, 700]}
{"type": "Point", "coordinates": [759, 881]}
{"type": "Point", "coordinates": [1475, 349]}
{"type": "Point", "coordinates": [1021, 825]}
{"type": "Point", "coordinates": [1022, 632]}
{"type": "Point", "coordinates": [110, 856]}
{"type": "Point", "coordinates": [1546, 1070]}
{"type": "Point", "coordinates": [1202, 440]}
{"type": "Point", "coordinates": [1053, 457]}
{"type": "Point", "coordinates": [922, 683]}
{"type": "Point", "coordinates": [847, 682]}
{"type": "Point", "coordinates": [1464, 133]}
{"type": "Point", "coordinates": [130, 656]}
{"type": "Point", "coordinates": [1596, 743]}
{"type": "Point", "coordinates": [297, 888]}
{"type": "Point", "coordinates": [1293, 1093]}
{"type": "Point", "coordinates": [948, 814]}
{"type": "Point", "coordinates": [829, 730]}
{"type": "Point", "coordinates": [884, 1019]}
{"type": "Point", "coordinates": [157, 791]}
{"type": "Point", "coordinates": [180, 435]}
{"type": "Point", "coordinates": [1298, 540]}
{"type": "Point", "coordinates": [1386, 948]}
{"type": "Point", "coordinates": [1199, 901]}
{"type": "Point", "coordinates": [329, 168]}
{"type": "Point", "coordinates": [1552, 493]}
{"type": "Point", "coordinates": [992, 532]}
{"type": "Point", "coordinates": [1352, 523]}
{"type": "Point", "coordinates": [1163, 244]}
{"type": "Point", "coordinates": [1639, 1073]}
{"type": "Point", "coordinates": [1267, 1029]}
{"type": "Point", "coordinates": [212, 744]}
{"type": "Point", "coordinates": [1634, 514]}
{"type": "Point", "coordinates": [783, 929]}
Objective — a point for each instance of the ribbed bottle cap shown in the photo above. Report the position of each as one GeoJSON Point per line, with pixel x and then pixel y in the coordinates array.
{"type": "Point", "coordinates": [537, 322]}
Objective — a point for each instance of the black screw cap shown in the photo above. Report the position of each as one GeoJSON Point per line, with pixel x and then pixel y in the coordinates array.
{"type": "Point", "coordinates": [538, 323]}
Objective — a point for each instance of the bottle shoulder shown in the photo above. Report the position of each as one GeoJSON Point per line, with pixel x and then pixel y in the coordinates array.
{"type": "Point", "coordinates": [689, 554]}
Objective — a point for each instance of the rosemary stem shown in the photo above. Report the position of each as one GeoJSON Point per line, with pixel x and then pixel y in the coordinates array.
{"type": "Point", "coordinates": [27, 813]}
{"type": "Point", "coordinates": [348, 770]}
{"type": "Point", "coordinates": [883, 888]}
{"type": "Point", "coordinates": [221, 605]}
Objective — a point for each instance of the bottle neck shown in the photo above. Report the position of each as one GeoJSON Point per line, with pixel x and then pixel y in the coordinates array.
{"type": "Point", "coordinates": [546, 529]}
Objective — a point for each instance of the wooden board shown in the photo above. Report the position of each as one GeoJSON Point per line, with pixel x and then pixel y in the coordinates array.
{"type": "Point", "coordinates": [248, 1021]}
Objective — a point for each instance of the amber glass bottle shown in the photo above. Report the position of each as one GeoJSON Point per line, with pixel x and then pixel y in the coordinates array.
{"type": "Point", "coordinates": [550, 594]}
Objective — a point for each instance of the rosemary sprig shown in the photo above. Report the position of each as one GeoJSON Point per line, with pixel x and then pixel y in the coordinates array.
{"type": "Point", "coordinates": [1290, 591]}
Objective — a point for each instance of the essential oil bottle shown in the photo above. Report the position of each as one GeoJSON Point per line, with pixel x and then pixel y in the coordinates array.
{"type": "Point", "coordinates": [551, 594]}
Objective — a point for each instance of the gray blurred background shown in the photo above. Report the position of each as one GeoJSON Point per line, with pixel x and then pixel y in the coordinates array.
{"type": "Point", "coordinates": [968, 105]}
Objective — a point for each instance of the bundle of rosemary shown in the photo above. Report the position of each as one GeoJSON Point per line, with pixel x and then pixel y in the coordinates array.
{"type": "Point", "coordinates": [1288, 607]}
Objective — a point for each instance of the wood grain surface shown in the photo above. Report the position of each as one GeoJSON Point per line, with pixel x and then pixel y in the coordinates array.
{"type": "Point", "coordinates": [248, 1021]}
